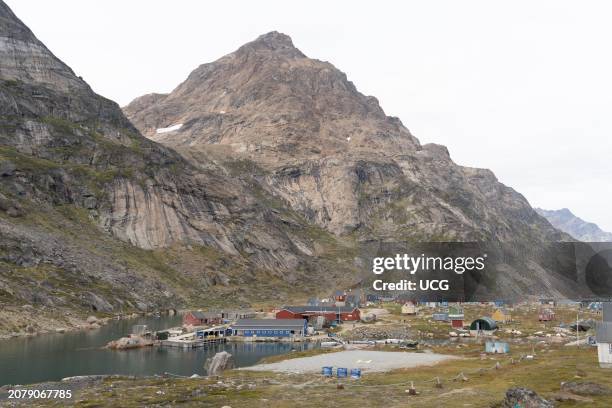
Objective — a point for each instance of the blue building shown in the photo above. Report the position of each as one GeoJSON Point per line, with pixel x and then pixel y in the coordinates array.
{"type": "Point", "coordinates": [270, 328]}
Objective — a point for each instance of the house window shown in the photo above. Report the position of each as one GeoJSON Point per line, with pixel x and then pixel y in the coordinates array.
{"type": "Point", "coordinates": [610, 348]}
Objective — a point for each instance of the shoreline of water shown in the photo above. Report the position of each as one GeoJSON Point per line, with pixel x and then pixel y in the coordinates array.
{"type": "Point", "coordinates": [51, 357]}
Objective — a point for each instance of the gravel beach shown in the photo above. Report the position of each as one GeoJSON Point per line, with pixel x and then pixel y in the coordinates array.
{"type": "Point", "coordinates": [371, 361]}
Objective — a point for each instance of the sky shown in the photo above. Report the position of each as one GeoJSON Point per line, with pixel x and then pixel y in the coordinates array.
{"type": "Point", "coordinates": [523, 88]}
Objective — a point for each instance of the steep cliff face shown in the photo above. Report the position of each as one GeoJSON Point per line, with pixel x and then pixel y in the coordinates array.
{"type": "Point", "coordinates": [95, 216]}
{"type": "Point", "coordinates": [330, 152]}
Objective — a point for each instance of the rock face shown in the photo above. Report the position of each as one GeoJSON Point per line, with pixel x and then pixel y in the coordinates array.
{"type": "Point", "coordinates": [299, 129]}
{"type": "Point", "coordinates": [582, 230]}
{"type": "Point", "coordinates": [93, 215]}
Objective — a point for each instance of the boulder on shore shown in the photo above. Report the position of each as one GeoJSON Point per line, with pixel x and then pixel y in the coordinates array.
{"type": "Point", "coordinates": [220, 362]}
{"type": "Point", "coordinates": [125, 343]}
{"type": "Point", "coordinates": [525, 398]}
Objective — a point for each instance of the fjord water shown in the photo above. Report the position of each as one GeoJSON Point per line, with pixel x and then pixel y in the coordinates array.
{"type": "Point", "coordinates": [55, 356]}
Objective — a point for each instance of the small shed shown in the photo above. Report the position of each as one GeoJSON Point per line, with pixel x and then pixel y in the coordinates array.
{"type": "Point", "coordinates": [440, 317]}
{"type": "Point", "coordinates": [409, 308]}
{"type": "Point", "coordinates": [501, 316]}
{"type": "Point", "coordinates": [485, 325]}
{"type": "Point", "coordinates": [497, 347]}
{"type": "Point", "coordinates": [546, 315]}
{"type": "Point", "coordinates": [455, 315]}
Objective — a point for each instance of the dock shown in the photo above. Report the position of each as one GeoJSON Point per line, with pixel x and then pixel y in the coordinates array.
{"type": "Point", "coordinates": [192, 343]}
{"type": "Point", "coordinates": [199, 338]}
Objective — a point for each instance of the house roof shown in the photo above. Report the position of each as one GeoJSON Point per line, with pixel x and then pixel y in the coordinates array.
{"type": "Point", "coordinates": [204, 315]}
{"type": "Point", "coordinates": [319, 309]}
{"type": "Point", "coordinates": [489, 324]}
{"type": "Point", "coordinates": [259, 323]}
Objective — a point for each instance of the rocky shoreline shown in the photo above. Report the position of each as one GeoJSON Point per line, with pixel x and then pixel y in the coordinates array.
{"type": "Point", "coordinates": [28, 321]}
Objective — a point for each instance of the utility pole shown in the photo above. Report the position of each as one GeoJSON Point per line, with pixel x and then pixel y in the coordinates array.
{"type": "Point", "coordinates": [577, 332]}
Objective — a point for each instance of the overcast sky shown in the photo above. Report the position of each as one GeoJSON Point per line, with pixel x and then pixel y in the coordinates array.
{"type": "Point", "coordinates": [523, 87]}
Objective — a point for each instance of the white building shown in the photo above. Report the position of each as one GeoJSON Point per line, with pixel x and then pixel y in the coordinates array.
{"type": "Point", "coordinates": [604, 344]}
{"type": "Point", "coordinates": [604, 337]}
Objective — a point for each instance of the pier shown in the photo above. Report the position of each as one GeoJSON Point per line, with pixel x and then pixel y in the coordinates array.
{"type": "Point", "coordinates": [199, 338]}
{"type": "Point", "coordinates": [192, 343]}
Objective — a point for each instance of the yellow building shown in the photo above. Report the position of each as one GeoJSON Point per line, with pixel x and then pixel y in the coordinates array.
{"type": "Point", "coordinates": [501, 316]}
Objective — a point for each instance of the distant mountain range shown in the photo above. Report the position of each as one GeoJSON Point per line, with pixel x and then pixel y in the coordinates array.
{"type": "Point", "coordinates": [578, 228]}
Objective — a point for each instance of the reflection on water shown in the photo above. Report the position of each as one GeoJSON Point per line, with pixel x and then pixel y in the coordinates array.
{"type": "Point", "coordinates": [54, 356]}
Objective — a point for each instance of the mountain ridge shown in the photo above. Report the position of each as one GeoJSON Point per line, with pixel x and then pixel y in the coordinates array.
{"type": "Point", "coordinates": [575, 226]}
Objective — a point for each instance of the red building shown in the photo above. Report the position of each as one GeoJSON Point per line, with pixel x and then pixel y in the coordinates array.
{"type": "Point", "coordinates": [546, 316]}
{"type": "Point", "coordinates": [457, 323]}
{"type": "Point", "coordinates": [201, 318]}
{"type": "Point", "coordinates": [330, 313]}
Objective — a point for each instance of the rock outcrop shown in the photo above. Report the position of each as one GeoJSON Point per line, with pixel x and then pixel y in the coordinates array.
{"type": "Point", "coordinates": [524, 397]}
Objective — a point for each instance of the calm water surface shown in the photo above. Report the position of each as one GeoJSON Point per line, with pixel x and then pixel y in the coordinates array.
{"type": "Point", "coordinates": [55, 356]}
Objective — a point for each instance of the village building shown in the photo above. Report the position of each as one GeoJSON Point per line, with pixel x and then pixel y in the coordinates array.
{"type": "Point", "coordinates": [497, 347]}
{"type": "Point", "coordinates": [409, 308]}
{"type": "Point", "coordinates": [546, 315]}
{"type": "Point", "coordinates": [330, 313]}
{"type": "Point", "coordinates": [440, 317]}
{"type": "Point", "coordinates": [231, 315]}
{"type": "Point", "coordinates": [340, 296]}
{"type": "Point", "coordinates": [291, 328]}
{"type": "Point", "coordinates": [199, 318]}
{"type": "Point", "coordinates": [603, 337]}
{"type": "Point", "coordinates": [483, 326]}
{"type": "Point", "coordinates": [501, 316]}
{"type": "Point", "coordinates": [456, 317]}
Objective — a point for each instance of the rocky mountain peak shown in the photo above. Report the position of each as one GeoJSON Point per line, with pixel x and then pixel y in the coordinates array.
{"type": "Point", "coordinates": [274, 41]}
{"type": "Point", "coordinates": [273, 45]}
{"type": "Point", "coordinates": [24, 58]}
{"type": "Point", "coordinates": [268, 97]}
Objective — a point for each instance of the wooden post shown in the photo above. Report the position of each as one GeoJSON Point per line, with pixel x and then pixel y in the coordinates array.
{"type": "Point", "coordinates": [412, 390]}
